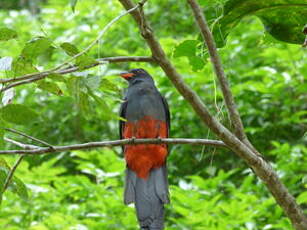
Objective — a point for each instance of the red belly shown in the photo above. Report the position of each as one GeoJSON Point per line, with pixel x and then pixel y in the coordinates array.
{"type": "Point", "coordinates": [142, 158]}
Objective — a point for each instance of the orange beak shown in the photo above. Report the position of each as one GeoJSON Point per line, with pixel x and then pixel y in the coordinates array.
{"type": "Point", "coordinates": [126, 75]}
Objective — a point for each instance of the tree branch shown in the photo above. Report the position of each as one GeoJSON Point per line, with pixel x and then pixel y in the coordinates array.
{"type": "Point", "coordinates": [102, 32]}
{"type": "Point", "coordinates": [219, 71]}
{"type": "Point", "coordinates": [29, 137]}
{"type": "Point", "coordinates": [21, 145]}
{"type": "Point", "coordinates": [11, 173]}
{"type": "Point", "coordinates": [29, 78]}
{"type": "Point", "coordinates": [261, 168]}
{"type": "Point", "coordinates": [132, 141]}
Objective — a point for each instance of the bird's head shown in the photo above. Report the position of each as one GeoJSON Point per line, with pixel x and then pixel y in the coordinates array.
{"type": "Point", "coordinates": [136, 75]}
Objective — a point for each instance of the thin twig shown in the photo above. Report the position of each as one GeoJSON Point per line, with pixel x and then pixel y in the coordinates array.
{"type": "Point", "coordinates": [21, 145]}
{"type": "Point", "coordinates": [11, 173]}
{"type": "Point", "coordinates": [131, 141]}
{"type": "Point", "coordinates": [28, 136]}
{"type": "Point", "coordinates": [220, 73]}
{"type": "Point", "coordinates": [102, 32]}
{"type": "Point", "coordinates": [29, 78]}
{"type": "Point", "coordinates": [261, 168]}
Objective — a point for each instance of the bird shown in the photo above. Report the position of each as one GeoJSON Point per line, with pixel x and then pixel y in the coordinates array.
{"type": "Point", "coordinates": [145, 114]}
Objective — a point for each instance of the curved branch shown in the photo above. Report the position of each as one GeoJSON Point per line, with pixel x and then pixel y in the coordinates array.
{"type": "Point", "coordinates": [29, 137]}
{"type": "Point", "coordinates": [100, 144]}
{"type": "Point", "coordinates": [29, 78]}
{"type": "Point", "coordinates": [220, 73]}
{"type": "Point", "coordinates": [261, 168]}
{"type": "Point", "coordinates": [102, 32]}
{"type": "Point", "coordinates": [11, 173]}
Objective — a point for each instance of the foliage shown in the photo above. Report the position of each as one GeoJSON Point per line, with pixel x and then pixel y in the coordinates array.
{"type": "Point", "coordinates": [272, 14]}
{"type": "Point", "coordinates": [211, 188]}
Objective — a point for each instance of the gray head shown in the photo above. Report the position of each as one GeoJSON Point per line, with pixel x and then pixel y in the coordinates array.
{"type": "Point", "coordinates": [137, 75]}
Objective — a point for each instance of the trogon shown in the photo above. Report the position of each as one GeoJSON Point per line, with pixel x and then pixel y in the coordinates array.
{"type": "Point", "coordinates": [146, 115]}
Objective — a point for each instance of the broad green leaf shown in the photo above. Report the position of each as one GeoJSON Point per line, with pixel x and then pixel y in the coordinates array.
{"type": "Point", "coordinates": [6, 63]}
{"type": "Point", "coordinates": [16, 185]}
{"type": "Point", "coordinates": [7, 34]}
{"type": "Point", "coordinates": [196, 62]}
{"type": "Point", "coordinates": [35, 47]}
{"type": "Point", "coordinates": [186, 48]}
{"type": "Point", "coordinates": [73, 4]}
{"type": "Point", "coordinates": [22, 66]}
{"type": "Point", "coordinates": [106, 84]}
{"type": "Point", "coordinates": [50, 87]}
{"type": "Point", "coordinates": [283, 19]}
{"type": "Point", "coordinates": [18, 114]}
{"type": "Point", "coordinates": [302, 198]}
{"type": "Point", "coordinates": [56, 77]}
{"type": "Point", "coordinates": [84, 60]}
{"type": "Point", "coordinates": [81, 61]}
{"type": "Point", "coordinates": [69, 48]}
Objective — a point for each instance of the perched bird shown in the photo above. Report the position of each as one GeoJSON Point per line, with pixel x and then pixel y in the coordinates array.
{"type": "Point", "coordinates": [147, 116]}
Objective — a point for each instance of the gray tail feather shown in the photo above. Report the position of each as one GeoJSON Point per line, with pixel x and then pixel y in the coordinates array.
{"type": "Point", "coordinates": [149, 197]}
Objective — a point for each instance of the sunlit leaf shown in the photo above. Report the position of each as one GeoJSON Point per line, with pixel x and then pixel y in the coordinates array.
{"type": "Point", "coordinates": [69, 48]}
{"type": "Point", "coordinates": [7, 34]}
{"type": "Point", "coordinates": [50, 87]}
{"type": "Point", "coordinates": [19, 188]}
{"type": "Point", "coordinates": [186, 48]}
{"type": "Point", "coordinates": [84, 61]}
{"type": "Point", "coordinates": [35, 47]}
{"type": "Point", "coordinates": [22, 66]}
{"type": "Point", "coordinates": [272, 14]}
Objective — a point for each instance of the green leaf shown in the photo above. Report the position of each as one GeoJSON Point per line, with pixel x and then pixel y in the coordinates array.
{"type": "Point", "coordinates": [22, 66]}
{"type": "Point", "coordinates": [272, 14]}
{"type": "Point", "coordinates": [69, 48]}
{"type": "Point", "coordinates": [56, 77]}
{"type": "Point", "coordinates": [4, 169]}
{"type": "Point", "coordinates": [50, 87]}
{"type": "Point", "coordinates": [19, 188]}
{"type": "Point", "coordinates": [16, 185]}
{"type": "Point", "coordinates": [84, 61]}
{"type": "Point", "coordinates": [1, 133]}
{"type": "Point", "coordinates": [7, 34]}
{"type": "Point", "coordinates": [302, 198]}
{"type": "Point", "coordinates": [186, 48]}
{"type": "Point", "coordinates": [18, 114]}
{"type": "Point", "coordinates": [35, 47]}
{"type": "Point", "coordinates": [196, 62]}
{"type": "Point", "coordinates": [73, 4]}
{"type": "Point", "coordinates": [106, 84]}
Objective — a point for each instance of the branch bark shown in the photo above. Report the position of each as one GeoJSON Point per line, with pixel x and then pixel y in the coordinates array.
{"type": "Point", "coordinates": [132, 141]}
{"type": "Point", "coordinates": [220, 73]}
{"type": "Point", "coordinates": [261, 168]}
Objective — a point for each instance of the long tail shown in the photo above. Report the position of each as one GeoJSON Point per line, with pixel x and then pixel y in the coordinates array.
{"type": "Point", "coordinates": [149, 197]}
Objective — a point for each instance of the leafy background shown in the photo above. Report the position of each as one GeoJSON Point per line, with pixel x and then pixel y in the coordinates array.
{"type": "Point", "coordinates": [210, 188]}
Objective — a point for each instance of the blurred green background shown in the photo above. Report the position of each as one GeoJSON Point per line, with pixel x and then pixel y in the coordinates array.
{"type": "Point", "coordinates": [211, 188]}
